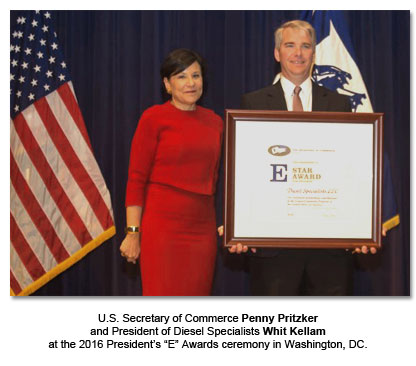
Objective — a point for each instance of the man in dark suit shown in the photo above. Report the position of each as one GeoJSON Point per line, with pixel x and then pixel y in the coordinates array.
{"type": "Point", "coordinates": [273, 98]}
{"type": "Point", "coordinates": [297, 271]}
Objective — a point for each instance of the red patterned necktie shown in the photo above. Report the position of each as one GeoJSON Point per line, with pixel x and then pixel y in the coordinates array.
{"type": "Point", "coordinates": [297, 103]}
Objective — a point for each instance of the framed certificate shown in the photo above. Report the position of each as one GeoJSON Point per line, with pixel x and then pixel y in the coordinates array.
{"type": "Point", "coordinates": [303, 179]}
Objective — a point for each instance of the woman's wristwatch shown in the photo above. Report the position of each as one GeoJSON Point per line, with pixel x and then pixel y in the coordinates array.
{"type": "Point", "coordinates": [132, 229]}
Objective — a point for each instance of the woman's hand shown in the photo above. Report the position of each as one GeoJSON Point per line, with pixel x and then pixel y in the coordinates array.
{"type": "Point", "coordinates": [130, 247]}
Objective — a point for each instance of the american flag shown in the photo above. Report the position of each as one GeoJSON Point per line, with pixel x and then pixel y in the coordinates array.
{"type": "Point", "coordinates": [60, 207]}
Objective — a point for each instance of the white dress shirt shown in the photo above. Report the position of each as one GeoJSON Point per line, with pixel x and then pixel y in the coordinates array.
{"type": "Point", "coordinates": [305, 93]}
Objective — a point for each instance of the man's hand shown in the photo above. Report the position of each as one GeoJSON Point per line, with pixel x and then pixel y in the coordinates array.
{"type": "Point", "coordinates": [365, 250]}
{"type": "Point", "coordinates": [235, 248]}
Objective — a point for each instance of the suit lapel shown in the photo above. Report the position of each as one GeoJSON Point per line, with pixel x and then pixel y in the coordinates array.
{"type": "Point", "coordinates": [319, 98]}
{"type": "Point", "coordinates": [276, 98]}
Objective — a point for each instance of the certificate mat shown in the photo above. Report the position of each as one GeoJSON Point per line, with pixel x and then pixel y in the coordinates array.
{"type": "Point", "coordinates": [303, 183]}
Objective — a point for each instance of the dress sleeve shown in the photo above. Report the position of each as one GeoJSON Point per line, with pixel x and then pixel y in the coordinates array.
{"type": "Point", "coordinates": [142, 154]}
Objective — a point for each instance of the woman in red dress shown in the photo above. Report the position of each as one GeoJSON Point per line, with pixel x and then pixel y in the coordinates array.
{"type": "Point", "coordinates": [173, 171]}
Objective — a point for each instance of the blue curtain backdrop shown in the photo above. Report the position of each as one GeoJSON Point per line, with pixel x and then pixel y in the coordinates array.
{"type": "Point", "coordinates": [114, 59]}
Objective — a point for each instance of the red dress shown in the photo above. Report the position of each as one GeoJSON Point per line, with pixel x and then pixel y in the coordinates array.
{"type": "Point", "coordinates": [172, 174]}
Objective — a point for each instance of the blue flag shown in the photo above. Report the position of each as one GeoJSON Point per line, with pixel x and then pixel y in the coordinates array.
{"type": "Point", "coordinates": [335, 68]}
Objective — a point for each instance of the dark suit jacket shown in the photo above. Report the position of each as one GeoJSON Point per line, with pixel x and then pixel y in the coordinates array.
{"type": "Point", "coordinates": [272, 98]}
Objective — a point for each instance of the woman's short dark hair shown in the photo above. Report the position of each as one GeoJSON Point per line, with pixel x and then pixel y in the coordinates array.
{"type": "Point", "coordinates": [179, 60]}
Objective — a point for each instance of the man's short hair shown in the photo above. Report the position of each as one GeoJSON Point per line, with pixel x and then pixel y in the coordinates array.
{"type": "Point", "coordinates": [295, 24]}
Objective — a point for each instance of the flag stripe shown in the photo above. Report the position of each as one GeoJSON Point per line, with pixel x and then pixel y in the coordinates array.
{"type": "Point", "coordinates": [36, 213]}
{"type": "Point", "coordinates": [68, 262]}
{"type": "Point", "coordinates": [25, 252]}
{"type": "Point", "coordinates": [78, 202]}
{"type": "Point", "coordinates": [41, 193]}
{"type": "Point", "coordinates": [73, 163]}
{"type": "Point", "coordinates": [68, 97]}
{"type": "Point", "coordinates": [18, 268]}
{"type": "Point", "coordinates": [64, 110]}
{"type": "Point", "coordinates": [14, 284]}
{"type": "Point", "coordinates": [54, 187]}
{"type": "Point", "coordinates": [31, 232]}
